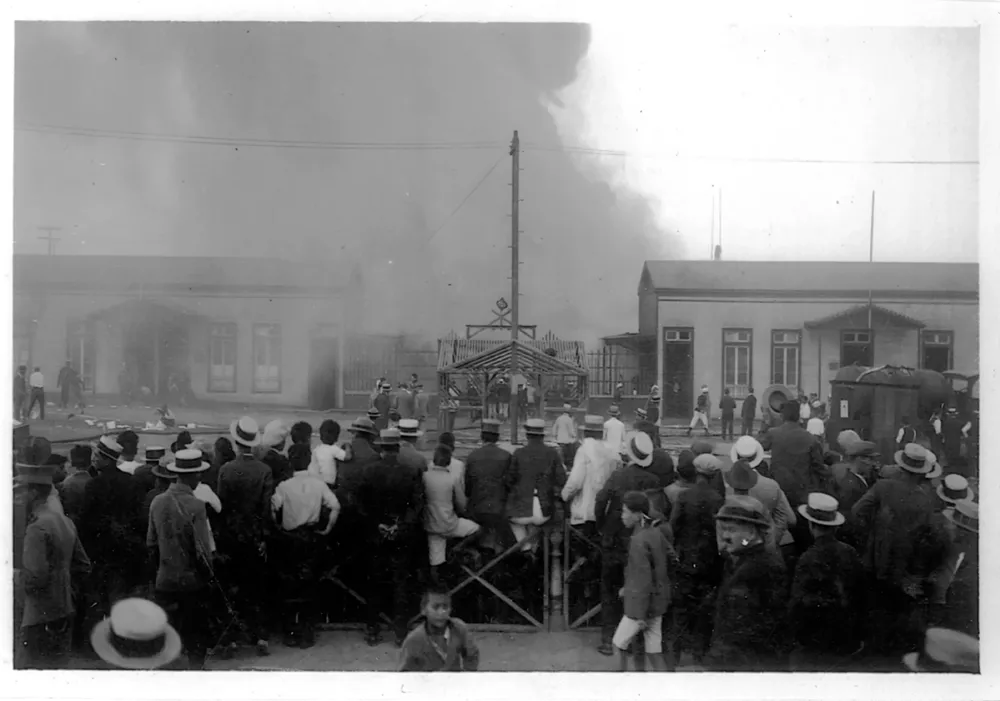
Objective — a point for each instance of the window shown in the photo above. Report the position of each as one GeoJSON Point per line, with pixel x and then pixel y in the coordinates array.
{"type": "Point", "coordinates": [266, 358]}
{"type": "Point", "coordinates": [80, 351]}
{"type": "Point", "coordinates": [737, 361]}
{"type": "Point", "coordinates": [785, 351]}
{"type": "Point", "coordinates": [222, 358]}
{"type": "Point", "coordinates": [856, 348]}
{"type": "Point", "coordinates": [677, 336]}
{"type": "Point", "coordinates": [936, 350]}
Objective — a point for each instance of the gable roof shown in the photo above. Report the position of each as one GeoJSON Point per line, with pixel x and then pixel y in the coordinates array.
{"type": "Point", "coordinates": [858, 314]}
{"type": "Point", "coordinates": [189, 274]}
{"type": "Point", "coordinates": [818, 278]}
{"type": "Point", "coordinates": [529, 360]}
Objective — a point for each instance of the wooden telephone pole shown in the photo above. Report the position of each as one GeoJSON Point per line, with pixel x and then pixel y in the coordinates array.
{"type": "Point", "coordinates": [48, 237]}
{"type": "Point", "coordinates": [515, 263]}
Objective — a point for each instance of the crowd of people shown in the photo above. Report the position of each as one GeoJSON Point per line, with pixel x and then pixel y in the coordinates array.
{"type": "Point", "coordinates": [744, 563]}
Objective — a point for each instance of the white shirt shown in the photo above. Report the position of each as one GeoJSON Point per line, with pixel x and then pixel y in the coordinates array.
{"type": "Point", "coordinates": [205, 494]}
{"type": "Point", "coordinates": [937, 426]}
{"type": "Point", "coordinates": [564, 429]}
{"type": "Point", "coordinates": [614, 434]}
{"type": "Point", "coordinates": [37, 380]}
{"type": "Point", "coordinates": [300, 500]}
{"type": "Point", "coordinates": [324, 462]}
{"type": "Point", "coordinates": [804, 412]}
{"type": "Point", "coordinates": [129, 467]}
{"type": "Point", "coordinates": [593, 464]}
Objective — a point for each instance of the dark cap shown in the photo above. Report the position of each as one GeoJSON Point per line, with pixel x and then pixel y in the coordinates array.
{"type": "Point", "coordinates": [636, 501]}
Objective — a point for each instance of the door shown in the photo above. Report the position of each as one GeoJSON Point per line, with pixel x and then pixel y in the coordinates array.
{"type": "Point", "coordinates": [678, 372]}
{"type": "Point", "coordinates": [935, 351]}
{"type": "Point", "coordinates": [856, 348]}
{"type": "Point", "coordinates": [323, 362]}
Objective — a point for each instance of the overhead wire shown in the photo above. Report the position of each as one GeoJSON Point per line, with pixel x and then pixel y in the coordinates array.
{"type": "Point", "coordinates": [466, 198]}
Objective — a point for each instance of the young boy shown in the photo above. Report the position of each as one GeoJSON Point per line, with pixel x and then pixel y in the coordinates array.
{"type": "Point", "coordinates": [439, 643]}
{"type": "Point", "coordinates": [326, 455]}
{"type": "Point", "coordinates": [646, 592]}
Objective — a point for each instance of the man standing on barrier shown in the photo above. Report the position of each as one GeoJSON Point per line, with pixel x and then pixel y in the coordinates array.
{"type": "Point", "coordinates": [392, 498]}
{"type": "Point", "coordinates": [540, 476]}
{"type": "Point", "coordinates": [489, 477]}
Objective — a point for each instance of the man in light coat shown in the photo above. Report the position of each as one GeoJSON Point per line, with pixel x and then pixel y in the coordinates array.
{"type": "Point", "coordinates": [614, 430]}
{"type": "Point", "coordinates": [592, 467]}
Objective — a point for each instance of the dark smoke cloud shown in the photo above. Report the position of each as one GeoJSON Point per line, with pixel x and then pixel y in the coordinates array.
{"type": "Point", "coordinates": [381, 214]}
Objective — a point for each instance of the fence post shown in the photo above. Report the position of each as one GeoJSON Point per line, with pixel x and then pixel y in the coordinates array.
{"type": "Point", "coordinates": [557, 620]}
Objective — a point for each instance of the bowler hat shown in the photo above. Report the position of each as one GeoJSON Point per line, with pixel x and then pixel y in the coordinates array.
{"type": "Point", "coordinates": [741, 476]}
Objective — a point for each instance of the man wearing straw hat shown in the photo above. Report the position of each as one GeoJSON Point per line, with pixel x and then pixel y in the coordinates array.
{"type": "Point", "coordinates": [614, 429]}
{"type": "Point", "coordinates": [564, 434]}
{"type": "Point", "coordinates": [592, 466]}
{"type": "Point", "coordinates": [245, 489]}
{"type": "Point", "coordinates": [110, 528]}
{"type": "Point", "coordinates": [955, 602]}
{"type": "Point", "coordinates": [889, 516]}
{"type": "Point", "coordinates": [825, 611]}
{"type": "Point", "coordinates": [180, 544]}
{"type": "Point", "coordinates": [634, 477]}
{"type": "Point", "coordinates": [52, 557]}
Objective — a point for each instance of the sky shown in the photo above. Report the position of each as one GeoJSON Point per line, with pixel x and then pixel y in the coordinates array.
{"type": "Point", "coordinates": [624, 150]}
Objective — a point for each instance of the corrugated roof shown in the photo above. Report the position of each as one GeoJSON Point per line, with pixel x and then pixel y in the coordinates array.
{"type": "Point", "coordinates": [152, 272]}
{"type": "Point", "coordinates": [529, 360]}
{"type": "Point", "coordinates": [818, 276]}
{"type": "Point", "coordinates": [858, 315]}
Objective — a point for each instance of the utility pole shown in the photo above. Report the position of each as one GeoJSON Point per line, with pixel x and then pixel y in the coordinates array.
{"type": "Point", "coordinates": [871, 259]}
{"type": "Point", "coordinates": [49, 237]}
{"type": "Point", "coordinates": [515, 263]}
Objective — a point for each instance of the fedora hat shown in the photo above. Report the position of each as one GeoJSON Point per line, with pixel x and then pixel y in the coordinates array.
{"type": "Point", "coordinates": [707, 464]}
{"type": "Point", "coordinates": [821, 509]}
{"type": "Point", "coordinates": [162, 472]}
{"type": "Point", "coordinates": [535, 427]}
{"type": "Point", "coordinates": [188, 462]}
{"type": "Point", "coordinates": [741, 476]}
{"type": "Point", "coordinates": [639, 448]}
{"type": "Point", "coordinates": [409, 428]}
{"type": "Point", "coordinates": [744, 510]}
{"type": "Point", "coordinates": [748, 449]}
{"type": "Point", "coordinates": [154, 453]}
{"type": "Point", "coordinates": [955, 488]}
{"type": "Point", "coordinates": [593, 424]}
{"type": "Point", "coordinates": [109, 447]}
{"type": "Point", "coordinates": [245, 432]}
{"type": "Point", "coordinates": [363, 424]}
{"type": "Point", "coordinates": [965, 515]}
{"type": "Point", "coordinates": [915, 459]}
{"type": "Point", "coordinates": [613, 410]}
{"type": "Point", "coordinates": [945, 651]}
{"type": "Point", "coordinates": [136, 636]}
{"type": "Point", "coordinates": [490, 426]}
{"type": "Point", "coordinates": [388, 436]}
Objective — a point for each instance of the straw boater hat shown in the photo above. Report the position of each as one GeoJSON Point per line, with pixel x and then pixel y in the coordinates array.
{"type": "Point", "coordinates": [741, 476]}
{"type": "Point", "coordinates": [915, 459]}
{"type": "Point", "coordinates": [748, 449]}
{"type": "Point", "coordinates": [567, 407]}
{"type": "Point", "coordinates": [821, 509]}
{"type": "Point", "coordinates": [490, 426]}
{"type": "Point", "coordinates": [275, 433]}
{"type": "Point", "coordinates": [388, 436]}
{"type": "Point", "coordinates": [136, 636]}
{"type": "Point", "coordinates": [639, 448]}
{"type": "Point", "coordinates": [154, 453]}
{"type": "Point", "coordinates": [613, 410]}
{"type": "Point", "coordinates": [409, 428]}
{"type": "Point", "coordinates": [954, 489]}
{"type": "Point", "coordinates": [945, 651]}
{"type": "Point", "coordinates": [937, 469]}
{"type": "Point", "coordinates": [245, 432]}
{"type": "Point", "coordinates": [162, 472]}
{"type": "Point", "coordinates": [815, 426]}
{"type": "Point", "coordinates": [534, 427]}
{"type": "Point", "coordinates": [744, 510]}
{"type": "Point", "coordinates": [654, 391]}
{"type": "Point", "coordinates": [363, 424]}
{"type": "Point", "coordinates": [593, 424]}
{"type": "Point", "coordinates": [108, 447]}
{"type": "Point", "coordinates": [641, 413]}
{"type": "Point", "coordinates": [187, 462]}
{"type": "Point", "coordinates": [965, 515]}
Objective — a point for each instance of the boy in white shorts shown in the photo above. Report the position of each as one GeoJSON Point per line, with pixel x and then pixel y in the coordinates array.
{"type": "Point", "coordinates": [646, 592]}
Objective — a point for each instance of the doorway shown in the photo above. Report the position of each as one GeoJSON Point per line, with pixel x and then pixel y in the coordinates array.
{"type": "Point", "coordinates": [856, 348]}
{"type": "Point", "coordinates": [324, 357]}
{"type": "Point", "coordinates": [678, 372]}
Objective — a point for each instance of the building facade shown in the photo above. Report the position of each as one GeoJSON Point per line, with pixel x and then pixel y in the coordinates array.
{"type": "Point", "coordinates": [243, 330]}
{"type": "Point", "coordinates": [736, 325]}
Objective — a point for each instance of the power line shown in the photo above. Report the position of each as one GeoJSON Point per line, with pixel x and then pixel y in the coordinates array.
{"type": "Point", "coordinates": [446, 146]}
{"type": "Point", "coordinates": [258, 143]}
{"type": "Point", "coordinates": [466, 198]}
{"type": "Point", "coordinates": [49, 238]}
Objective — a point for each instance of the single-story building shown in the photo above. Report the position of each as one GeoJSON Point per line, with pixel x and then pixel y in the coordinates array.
{"type": "Point", "coordinates": [246, 330]}
{"type": "Point", "coordinates": [736, 324]}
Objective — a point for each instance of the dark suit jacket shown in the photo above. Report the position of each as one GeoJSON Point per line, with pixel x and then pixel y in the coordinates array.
{"type": "Point", "coordinates": [536, 467]}
{"type": "Point", "coordinates": [488, 479]}
{"type": "Point", "coordinates": [608, 505]}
